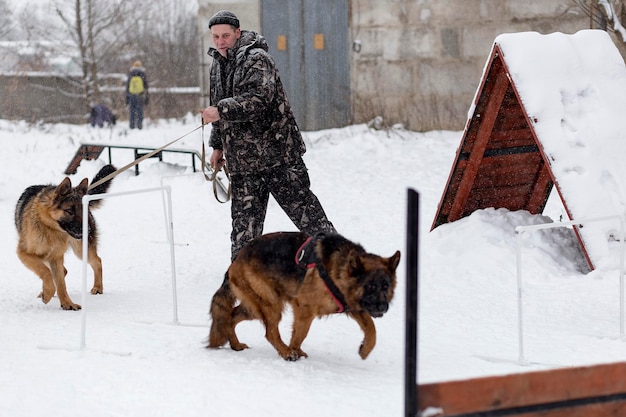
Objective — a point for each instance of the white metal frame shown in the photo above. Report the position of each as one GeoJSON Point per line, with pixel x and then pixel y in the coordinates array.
{"type": "Point", "coordinates": [167, 208]}
{"type": "Point", "coordinates": [519, 230]}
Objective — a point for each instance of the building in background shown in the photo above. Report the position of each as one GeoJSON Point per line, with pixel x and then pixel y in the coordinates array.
{"type": "Point", "coordinates": [413, 62]}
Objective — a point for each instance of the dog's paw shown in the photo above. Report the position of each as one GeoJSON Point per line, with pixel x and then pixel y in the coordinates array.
{"type": "Point", "coordinates": [96, 290]}
{"type": "Point", "coordinates": [45, 298]}
{"type": "Point", "coordinates": [238, 346]}
{"type": "Point", "coordinates": [364, 352]}
{"type": "Point", "coordinates": [294, 355]}
{"type": "Point", "coordinates": [71, 306]}
{"type": "Point", "coordinates": [299, 352]}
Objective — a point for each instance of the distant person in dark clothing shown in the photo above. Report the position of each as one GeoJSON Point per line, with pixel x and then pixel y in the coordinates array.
{"type": "Point", "coordinates": [101, 114]}
{"type": "Point", "coordinates": [137, 94]}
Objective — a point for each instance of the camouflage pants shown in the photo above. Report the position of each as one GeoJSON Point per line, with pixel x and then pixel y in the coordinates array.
{"type": "Point", "coordinates": [289, 185]}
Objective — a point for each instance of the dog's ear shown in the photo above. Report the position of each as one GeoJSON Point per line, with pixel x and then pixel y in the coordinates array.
{"type": "Point", "coordinates": [82, 188]}
{"type": "Point", "coordinates": [355, 263]}
{"type": "Point", "coordinates": [394, 260]}
{"type": "Point", "coordinates": [64, 188]}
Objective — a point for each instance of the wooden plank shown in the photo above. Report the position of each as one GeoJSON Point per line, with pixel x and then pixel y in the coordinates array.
{"type": "Point", "coordinates": [448, 197]}
{"type": "Point", "coordinates": [482, 100]}
{"type": "Point", "coordinates": [603, 409]}
{"type": "Point", "coordinates": [511, 118]}
{"type": "Point", "coordinates": [503, 173]}
{"type": "Point", "coordinates": [512, 138]}
{"type": "Point", "coordinates": [87, 152]}
{"type": "Point", "coordinates": [582, 386]}
{"type": "Point", "coordinates": [484, 133]}
{"type": "Point", "coordinates": [511, 198]}
{"type": "Point", "coordinates": [533, 158]}
{"type": "Point", "coordinates": [492, 195]}
{"type": "Point", "coordinates": [541, 192]}
{"type": "Point", "coordinates": [508, 179]}
{"type": "Point", "coordinates": [506, 171]}
{"type": "Point", "coordinates": [597, 407]}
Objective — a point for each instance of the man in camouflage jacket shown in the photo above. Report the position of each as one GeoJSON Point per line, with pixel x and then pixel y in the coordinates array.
{"type": "Point", "coordinates": [255, 133]}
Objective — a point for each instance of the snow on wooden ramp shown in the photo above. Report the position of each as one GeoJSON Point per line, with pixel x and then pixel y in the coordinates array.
{"type": "Point", "coordinates": [550, 111]}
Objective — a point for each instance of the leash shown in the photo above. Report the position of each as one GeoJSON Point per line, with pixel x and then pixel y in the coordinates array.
{"type": "Point", "coordinates": [213, 177]}
{"type": "Point", "coordinates": [138, 160]}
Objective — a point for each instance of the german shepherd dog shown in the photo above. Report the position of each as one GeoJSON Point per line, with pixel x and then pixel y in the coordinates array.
{"type": "Point", "coordinates": [49, 219]}
{"type": "Point", "coordinates": [317, 276]}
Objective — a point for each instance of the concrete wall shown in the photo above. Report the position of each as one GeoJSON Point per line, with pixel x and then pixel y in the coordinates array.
{"type": "Point", "coordinates": [419, 62]}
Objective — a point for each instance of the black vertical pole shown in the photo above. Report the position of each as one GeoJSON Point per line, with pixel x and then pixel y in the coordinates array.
{"type": "Point", "coordinates": [410, 356]}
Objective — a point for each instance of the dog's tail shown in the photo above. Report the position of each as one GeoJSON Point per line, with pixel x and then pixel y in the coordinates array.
{"type": "Point", "coordinates": [222, 306]}
{"type": "Point", "coordinates": [102, 188]}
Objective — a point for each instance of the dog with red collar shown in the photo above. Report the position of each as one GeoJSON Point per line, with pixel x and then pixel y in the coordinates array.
{"type": "Point", "coordinates": [317, 275]}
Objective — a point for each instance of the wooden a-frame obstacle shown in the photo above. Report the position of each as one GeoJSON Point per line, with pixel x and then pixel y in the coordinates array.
{"type": "Point", "coordinates": [535, 126]}
{"type": "Point", "coordinates": [499, 163]}
{"type": "Point", "coordinates": [545, 115]}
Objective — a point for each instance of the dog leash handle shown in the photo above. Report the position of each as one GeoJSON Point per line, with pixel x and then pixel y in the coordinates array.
{"type": "Point", "coordinates": [213, 177]}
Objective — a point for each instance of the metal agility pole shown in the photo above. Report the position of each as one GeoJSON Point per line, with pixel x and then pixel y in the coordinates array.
{"type": "Point", "coordinates": [169, 227]}
{"type": "Point", "coordinates": [170, 237]}
{"type": "Point", "coordinates": [412, 291]}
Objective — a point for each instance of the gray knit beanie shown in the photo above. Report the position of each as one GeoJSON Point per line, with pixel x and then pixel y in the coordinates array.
{"type": "Point", "coordinates": [224, 17]}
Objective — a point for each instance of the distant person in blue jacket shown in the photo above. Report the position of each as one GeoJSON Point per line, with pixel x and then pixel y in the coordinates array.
{"type": "Point", "coordinates": [137, 94]}
{"type": "Point", "coordinates": [101, 114]}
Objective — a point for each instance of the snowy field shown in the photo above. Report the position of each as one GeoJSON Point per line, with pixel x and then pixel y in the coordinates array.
{"type": "Point", "coordinates": [138, 362]}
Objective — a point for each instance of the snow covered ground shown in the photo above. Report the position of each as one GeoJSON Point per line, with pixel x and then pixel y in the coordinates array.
{"type": "Point", "coordinates": [137, 362]}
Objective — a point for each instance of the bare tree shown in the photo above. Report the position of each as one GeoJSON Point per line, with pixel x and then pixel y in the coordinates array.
{"type": "Point", "coordinates": [97, 27]}
{"type": "Point", "coordinates": [111, 33]}
{"type": "Point", "coordinates": [6, 21]}
{"type": "Point", "coordinates": [605, 15]}
{"type": "Point", "coordinates": [30, 25]}
{"type": "Point", "coordinates": [179, 45]}
{"type": "Point", "coordinates": [167, 42]}
{"type": "Point", "coordinates": [97, 38]}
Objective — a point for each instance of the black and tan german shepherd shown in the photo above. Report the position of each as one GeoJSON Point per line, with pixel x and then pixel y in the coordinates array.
{"type": "Point", "coordinates": [317, 276]}
{"type": "Point", "coordinates": [49, 219]}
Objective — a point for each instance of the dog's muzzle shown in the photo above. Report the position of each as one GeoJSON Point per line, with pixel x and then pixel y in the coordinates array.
{"type": "Point", "coordinates": [376, 309]}
{"type": "Point", "coordinates": [75, 231]}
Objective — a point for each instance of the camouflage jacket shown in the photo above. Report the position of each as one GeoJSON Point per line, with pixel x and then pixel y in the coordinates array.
{"type": "Point", "coordinates": [257, 129]}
